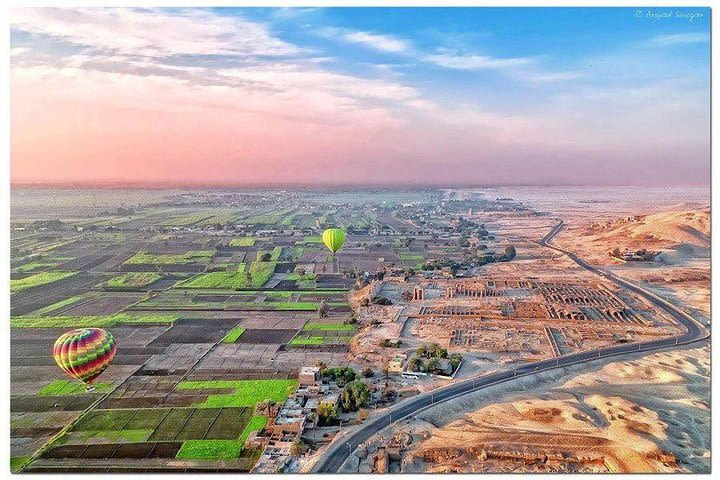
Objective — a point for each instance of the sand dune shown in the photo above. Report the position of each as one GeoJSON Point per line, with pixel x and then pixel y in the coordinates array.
{"type": "Point", "coordinates": [669, 229]}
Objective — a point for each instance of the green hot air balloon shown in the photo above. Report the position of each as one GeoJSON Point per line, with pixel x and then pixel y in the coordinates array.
{"type": "Point", "coordinates": [334, 239]}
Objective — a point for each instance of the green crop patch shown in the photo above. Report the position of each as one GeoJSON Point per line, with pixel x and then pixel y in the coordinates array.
{"type": "Point", "coordinates": [329, 326]}
{"type": "Point", "coordinates": [20, 284]}
{"type": "Point", "coordinates": [257, 422]}
{"type": "Point", "coordinates": [93, 321]}
{"type": "Point", "coordinates": [306, 340]}
{"type": "Point", "coordinates": [219, 280]}
{"type": "Point", "coordinates": [242, 242]}
{"type": "Point", "coordinates": [132, 280]}
{"type": "Point", "coordinates": [210, 449]}
{"type": "Point", "coordinates": [68, 387]}
{"type": "Point", "coordinates": [233, 335]}
{"type": "Point", "coordinates": [17, 463]}
{"type": "Point", "coordinates": [193, 256]}
{"type": "Point", "coordinates": [38, 265]}
{"type": "Point", "coordinates": [310, 240]}
{"type": "Point", "coordinates": [246, 393]}
{"type": "Point", "coordinates": [274, 254]}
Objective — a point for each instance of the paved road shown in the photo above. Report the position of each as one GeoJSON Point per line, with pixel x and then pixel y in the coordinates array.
{"type": "Point", "coordinates": [341, 449]}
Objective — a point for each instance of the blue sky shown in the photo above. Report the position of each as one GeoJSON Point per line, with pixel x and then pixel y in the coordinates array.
{"type": "Point", "coordinates": [525, 95]}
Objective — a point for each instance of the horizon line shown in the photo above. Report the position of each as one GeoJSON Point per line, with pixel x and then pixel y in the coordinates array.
{"type": "Point", "coordinates": [111, 184]}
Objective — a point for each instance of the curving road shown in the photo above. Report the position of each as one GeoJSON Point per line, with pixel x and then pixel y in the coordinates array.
{"type": "Point", "coordinates": [340, 450]}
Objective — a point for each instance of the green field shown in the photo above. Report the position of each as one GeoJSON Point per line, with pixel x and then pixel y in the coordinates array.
{"type": "Point", "coordinates": [274, 254]}
{"type": "Point", "coordinates": [193, 256]}
{"type": "Point", "coordinates": [220, 449]}
{"type": "Point", "coordinates": [246, 392]}
{"type": "Point", "coordinates": [306, 340]}
{"type": "Point", "coordinates": [219, 280]}
{"type": "Point", "coordinates": [242, 242]}
{"type": "Point", "coordinates": [132, 280]}
{"type": "Point", "coordinates": [210, 449]}
{"type": "Point", "coordinates": [233, 335]}
{"type": "Point", "coordinates": [69, 387]}
{"type": "Point", "coordinates": [320, 336]}
{"type": "Point", "coordinates": [329, 327]}
{"type": "Point", "coordinates": [37, 265]}
{"type": "Point", "coordinates": [20, 284]}
{"type": "Point", "coordinates": [92, 321]}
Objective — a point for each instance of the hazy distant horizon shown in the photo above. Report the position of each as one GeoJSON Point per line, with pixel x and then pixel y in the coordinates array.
{"type": "Point", "coordinates": [171, 185]}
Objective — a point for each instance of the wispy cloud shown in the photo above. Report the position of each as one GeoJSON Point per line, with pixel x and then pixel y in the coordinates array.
{"type": "Point", "coordinates": [375, 41]}
{"type": "Point", "coordinates": [476, 62]}
{"type": "Point", "coordinates": [679, 39]}
{"type": "Point", "coordinates": [152, 32]}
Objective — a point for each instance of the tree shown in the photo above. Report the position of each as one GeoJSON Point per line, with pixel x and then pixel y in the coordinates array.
{"type": "Point", "coordinates": [354, 395]}
{"type": "Point", "coordinates": [432, 365]}
{"type": "Point", "coordinates": [415, 364]}
{"type": "Point", "coordinates": [510, 252]}
{"type": "Point", "coordinates": [368, 372]}
{"type": "Point", "coordinates": [322, 309]}
{"type": "Point", "coordinates": [265, 257]}
{"type": "Point", "coordinates": [327, 414]}
{"type": "Point", "coordinates": [455, 360]}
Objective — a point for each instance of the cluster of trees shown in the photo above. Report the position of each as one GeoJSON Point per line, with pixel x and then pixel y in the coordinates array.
{"type": "Point", "coordinates": [354, 395]}
{"type": "Point", "coordinates": [341, 375]}
{"type": "Point", "coordinates": [427, 359]}
{"type": "Point", "coordinates": [478, 258]}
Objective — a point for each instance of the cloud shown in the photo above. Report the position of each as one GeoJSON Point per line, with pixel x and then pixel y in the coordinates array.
{"type": "Point", "coordinates": [552, 76]}
{"type": "Point", "coordinates": [380, 42]}
{"type": "Point", "coordinates": [476, 62]}
{"type": "Point", "coordinates": [383, 43]}
{"type": "Point", "coordinates": [679, 39]}
{"type": "Point", "coordinates": [154, 33]}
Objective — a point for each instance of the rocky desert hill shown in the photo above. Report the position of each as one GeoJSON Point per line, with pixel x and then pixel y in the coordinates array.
{"type": "Point", "coordinates": [687, 231]}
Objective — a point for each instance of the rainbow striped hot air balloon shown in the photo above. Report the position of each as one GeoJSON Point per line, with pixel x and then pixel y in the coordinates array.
{"type": "Point", "coordinates": [84, 353]}
{"type": "Point", "coordinates": [334, 239]}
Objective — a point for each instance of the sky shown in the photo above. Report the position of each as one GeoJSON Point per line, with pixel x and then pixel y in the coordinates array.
{"type": "Point", "coordinates": [336, 96]}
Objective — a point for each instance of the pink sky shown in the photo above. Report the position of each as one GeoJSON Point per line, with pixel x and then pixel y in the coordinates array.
{"type": "Point", "coordinates": [135, 117]}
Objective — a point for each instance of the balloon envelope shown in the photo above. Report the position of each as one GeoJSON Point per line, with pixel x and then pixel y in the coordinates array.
{"type": "Point", "coordinates": [334, 238]}
{"type": "Point", "coordinates": [84, 353]}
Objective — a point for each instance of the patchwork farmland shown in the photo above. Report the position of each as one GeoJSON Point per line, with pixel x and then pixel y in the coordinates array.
{"type": "Point", "coordinates": [214, 312]}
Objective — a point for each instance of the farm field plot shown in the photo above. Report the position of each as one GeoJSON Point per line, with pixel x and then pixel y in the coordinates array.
{"type": "Point", "coordinates": [242, 242]}
{"type": "Point", "coordinates": [92, 320]}
{"type": "Point", "coordinates": [194, 331]}
{"type": "Point", "coordinates": [18, 285]}
{"type": "Point", "coordinates": [193, 256]}
{"type": "Point", "coordinates": [125, 435]}
{"type": "Point", "coordinates": [101, 304]}
{"type": "Point", "coordinates": [265, 336]}
{"type": "Point", "coordinates": [32, 299]}
{"type": "Point", "coordinates": [132, 281]}
{"type": "Point", "coordinates": [242, 393]}
{"type": "Point", "coordinates": [231, 280]}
